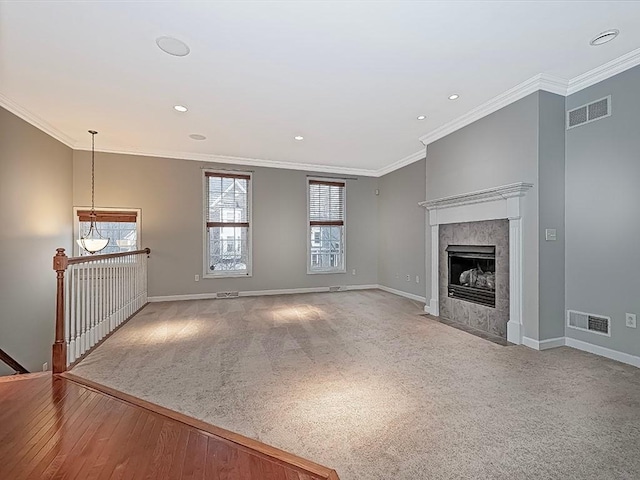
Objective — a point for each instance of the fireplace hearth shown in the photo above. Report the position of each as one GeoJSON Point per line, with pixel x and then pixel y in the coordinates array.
{"type": "Point", "coordinates": [472, 273]}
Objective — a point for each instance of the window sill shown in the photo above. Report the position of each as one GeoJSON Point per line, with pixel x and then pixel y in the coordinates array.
{"type": "Point", "coordinates": [324, 272]}
{"type": "Point", "coordinates": [228, 275]}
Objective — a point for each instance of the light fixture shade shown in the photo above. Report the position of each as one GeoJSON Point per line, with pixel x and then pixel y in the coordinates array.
{"type": "Point", "coordinates": [93, 245]}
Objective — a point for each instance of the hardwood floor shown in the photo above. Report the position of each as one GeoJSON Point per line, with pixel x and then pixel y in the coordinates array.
{"type": "Point", "coordinates": [54, 428]}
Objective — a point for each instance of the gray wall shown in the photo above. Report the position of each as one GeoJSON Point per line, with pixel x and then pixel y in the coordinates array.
{"type": "Point", "coordinates": [401, 229]}
{"type": "Point", "coordinates": [35, 194]}
{"type": "Point", "coordinates": [603, 212]}
{"type": "Point", "coordinates": [551, 174]}
{"type": "Point", "coordinates": [169, 192]}
{"type": "Point", "coordinates": [498, 149]}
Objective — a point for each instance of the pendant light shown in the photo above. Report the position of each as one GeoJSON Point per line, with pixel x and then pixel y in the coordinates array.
{"type": "Point", "coordinates": [92, 241]}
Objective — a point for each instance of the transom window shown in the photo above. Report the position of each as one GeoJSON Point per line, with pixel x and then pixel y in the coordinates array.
{"type": "Point", "coordinates": [119, 226]}
{"type": "Point", "coordinates": [227, 224]}
{"type": "Point", "coordinates": [326, 226]}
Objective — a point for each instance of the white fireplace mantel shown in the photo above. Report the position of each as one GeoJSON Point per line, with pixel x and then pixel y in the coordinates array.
{"type": "Point", "coordinates": [489, 204]}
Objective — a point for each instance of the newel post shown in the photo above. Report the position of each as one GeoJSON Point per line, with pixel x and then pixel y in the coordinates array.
{"type": "Point", "coordinates": [59, 357]}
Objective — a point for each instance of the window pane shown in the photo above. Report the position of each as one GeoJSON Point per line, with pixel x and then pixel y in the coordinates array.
{"type": "Point", "coordinates": [123, 236]}
{"type": "Point", "coordinates": [327, 247]}
{"type": "Point", "coordinates": [228, 249]}
{"type": "Point", "coordinates": [228, 199]}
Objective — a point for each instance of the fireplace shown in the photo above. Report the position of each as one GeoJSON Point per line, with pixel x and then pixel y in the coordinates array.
{"type": "Point", "coordinates": [472, 273]}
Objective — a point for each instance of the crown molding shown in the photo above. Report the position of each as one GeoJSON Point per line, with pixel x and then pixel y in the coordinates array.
{"type": "Point", "coordinates": [414, 157]}
{"type": "Point", "coordinates": [252, 162]}
{"type": "Point", "coordinates": [608, 70]}
{"type": "Point", "coordinates": [541, 81]}
{"type": "Point", "coordinates": [36, 121]}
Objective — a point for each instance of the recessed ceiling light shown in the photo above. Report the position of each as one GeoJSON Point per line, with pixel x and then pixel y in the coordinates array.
{"type": "Point", "coordinates": [197, 136]}
{"type": "Point", "coordinates": [180, 108]}
{"type": "Point", "coordinates": [604, 37]}
{"type": "Point", "coordinates": [298, 137]}
{"type": "Point", "coordinates": [173, 46]}
{"type": "Point", "coordinates": [421, 117]}
{"type": "Point", "coordinates": [455, 96]}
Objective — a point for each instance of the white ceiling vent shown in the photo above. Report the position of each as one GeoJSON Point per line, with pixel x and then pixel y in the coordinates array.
{"type": "Point", "coordinates": [589, 113]}
{"type": "Point", "coordinates": [589, 322]}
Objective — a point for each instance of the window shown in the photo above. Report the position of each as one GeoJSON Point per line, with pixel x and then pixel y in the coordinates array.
{"type": "Point", "coordinates": [227, 224]}
{"type": "Point", "coordinates": [121, 227]}
{"type": "Point", "coordinates": [326, 228]}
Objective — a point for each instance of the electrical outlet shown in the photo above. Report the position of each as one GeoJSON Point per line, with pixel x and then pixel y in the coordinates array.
{"type": "Point", "coordinates": [417, 278]}
{"type": "Point", "coordinates": [353, 272]}
{"type": "Point", "coordinates": [197, 278]}
{"type": "Point", "coordinates": [45, 366]}
{"type": "Point", "coordinates": [630, 320]}
{"type": "Point", "coordinates": [408, 278]}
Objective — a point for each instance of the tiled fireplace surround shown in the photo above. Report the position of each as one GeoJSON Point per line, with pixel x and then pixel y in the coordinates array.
{"type": "Point", "coordinates": [498, 203]}
{"type": "Point", "coordinates": [490, 232]}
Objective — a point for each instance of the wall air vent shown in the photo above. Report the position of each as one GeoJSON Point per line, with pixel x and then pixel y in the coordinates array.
{"type": "Point", "coordinates": [336, 289]}
{"type": "Point", "coordinates": [589, 322]}
{"type": "Point", "coordinates": [227, 294]}
{"type": "Point", "coordinates": [589, 113]}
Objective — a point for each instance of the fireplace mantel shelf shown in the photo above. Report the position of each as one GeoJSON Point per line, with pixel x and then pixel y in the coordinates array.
{"type": "Point", "coordinates": [487, 195]}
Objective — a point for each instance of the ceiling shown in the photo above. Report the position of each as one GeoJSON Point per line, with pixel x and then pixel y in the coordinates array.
{"type": "Point", "coordinates": [351, 77]}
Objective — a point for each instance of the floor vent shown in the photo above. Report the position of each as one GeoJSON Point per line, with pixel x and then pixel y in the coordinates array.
{"type": "Point", "coordinates": [336, 289]}
{"type": "Point", "coordinates": [227, 294]}
{"type": "Point", "coordinates": [589, 322]}
{"type": "Point", "coordinates": [589, 113]}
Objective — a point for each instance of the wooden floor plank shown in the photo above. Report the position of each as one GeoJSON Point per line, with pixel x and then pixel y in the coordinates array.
{"type": "Point", "coordinates": [54, 428]}
{"type": "Point", "coordinates": [27, 445]}
{"type": "Point", "coordinates": [111, 444]}
{"type": "Point", "coordinates": [119, 458]}
{"type": "Point", "coordinates": [74, 424]}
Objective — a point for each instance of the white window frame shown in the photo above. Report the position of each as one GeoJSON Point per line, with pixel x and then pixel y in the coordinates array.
{"type": "Point", "coordinates": [343, 267]}
{"type": "Point", "coordinates": [76, 224]}
{"type": "Point", "coordinates": [206, 272]}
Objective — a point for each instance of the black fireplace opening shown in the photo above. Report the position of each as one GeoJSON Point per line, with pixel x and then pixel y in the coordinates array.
{"type": "Point", "coordinates": [472, 273]}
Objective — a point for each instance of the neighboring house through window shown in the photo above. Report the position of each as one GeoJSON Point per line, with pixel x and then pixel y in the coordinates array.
{"type": "Point", "coordinates": [121, 227]}
{"type": "Point", "coordinates": [326, 225]}
{"type": "Point", "coordinates": [227, 224]}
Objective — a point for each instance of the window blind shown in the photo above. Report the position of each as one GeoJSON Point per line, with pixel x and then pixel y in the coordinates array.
{"type": "Point", "coordinates": [326, 203]}
{"type": "Point", "coordinates": [108, 216]}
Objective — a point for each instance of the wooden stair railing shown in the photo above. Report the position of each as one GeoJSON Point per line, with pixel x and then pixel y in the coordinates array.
{"type": "Point", "coordinates": [6, 358]}
{"type": "Point", "coordinates": [95, 295]}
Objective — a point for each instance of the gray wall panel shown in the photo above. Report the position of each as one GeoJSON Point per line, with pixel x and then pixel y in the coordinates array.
{"type": "Point", "coordinates": [402, 229]}
{"type": "Point", "coordinates": [169, 192]}
{"type": "Point", "coordinates": [551, 167]}
{"type": "Point", "coordinates": [603, 212]}
{"type": "Point", "coordinates": [35, 194]}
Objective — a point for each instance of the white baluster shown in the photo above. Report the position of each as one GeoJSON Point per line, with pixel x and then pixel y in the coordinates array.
{"type": "Point", "coordinates": [72, 313]}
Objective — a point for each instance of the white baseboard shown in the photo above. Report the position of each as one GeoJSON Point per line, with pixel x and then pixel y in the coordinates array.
{"type": "Point", "coordinates": [603, 351]}
{"type": "Point", "coordinates": [543, 344]}
{"type": "Point", "coordinates": [584, 346]}
{"type": "Point", "coordinates": [257, 293]}
{"type": "Point", "coordinates": [417, 298]}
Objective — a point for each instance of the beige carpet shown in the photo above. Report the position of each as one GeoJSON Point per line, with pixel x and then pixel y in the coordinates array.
{"type": "Point", "coordinates": [360, 382]}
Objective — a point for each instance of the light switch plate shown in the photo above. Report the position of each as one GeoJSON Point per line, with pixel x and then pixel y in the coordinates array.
{"type": "Point", "coordinates": [630, 320]}
{"type": "Point", "coordinates": [550, 235]}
